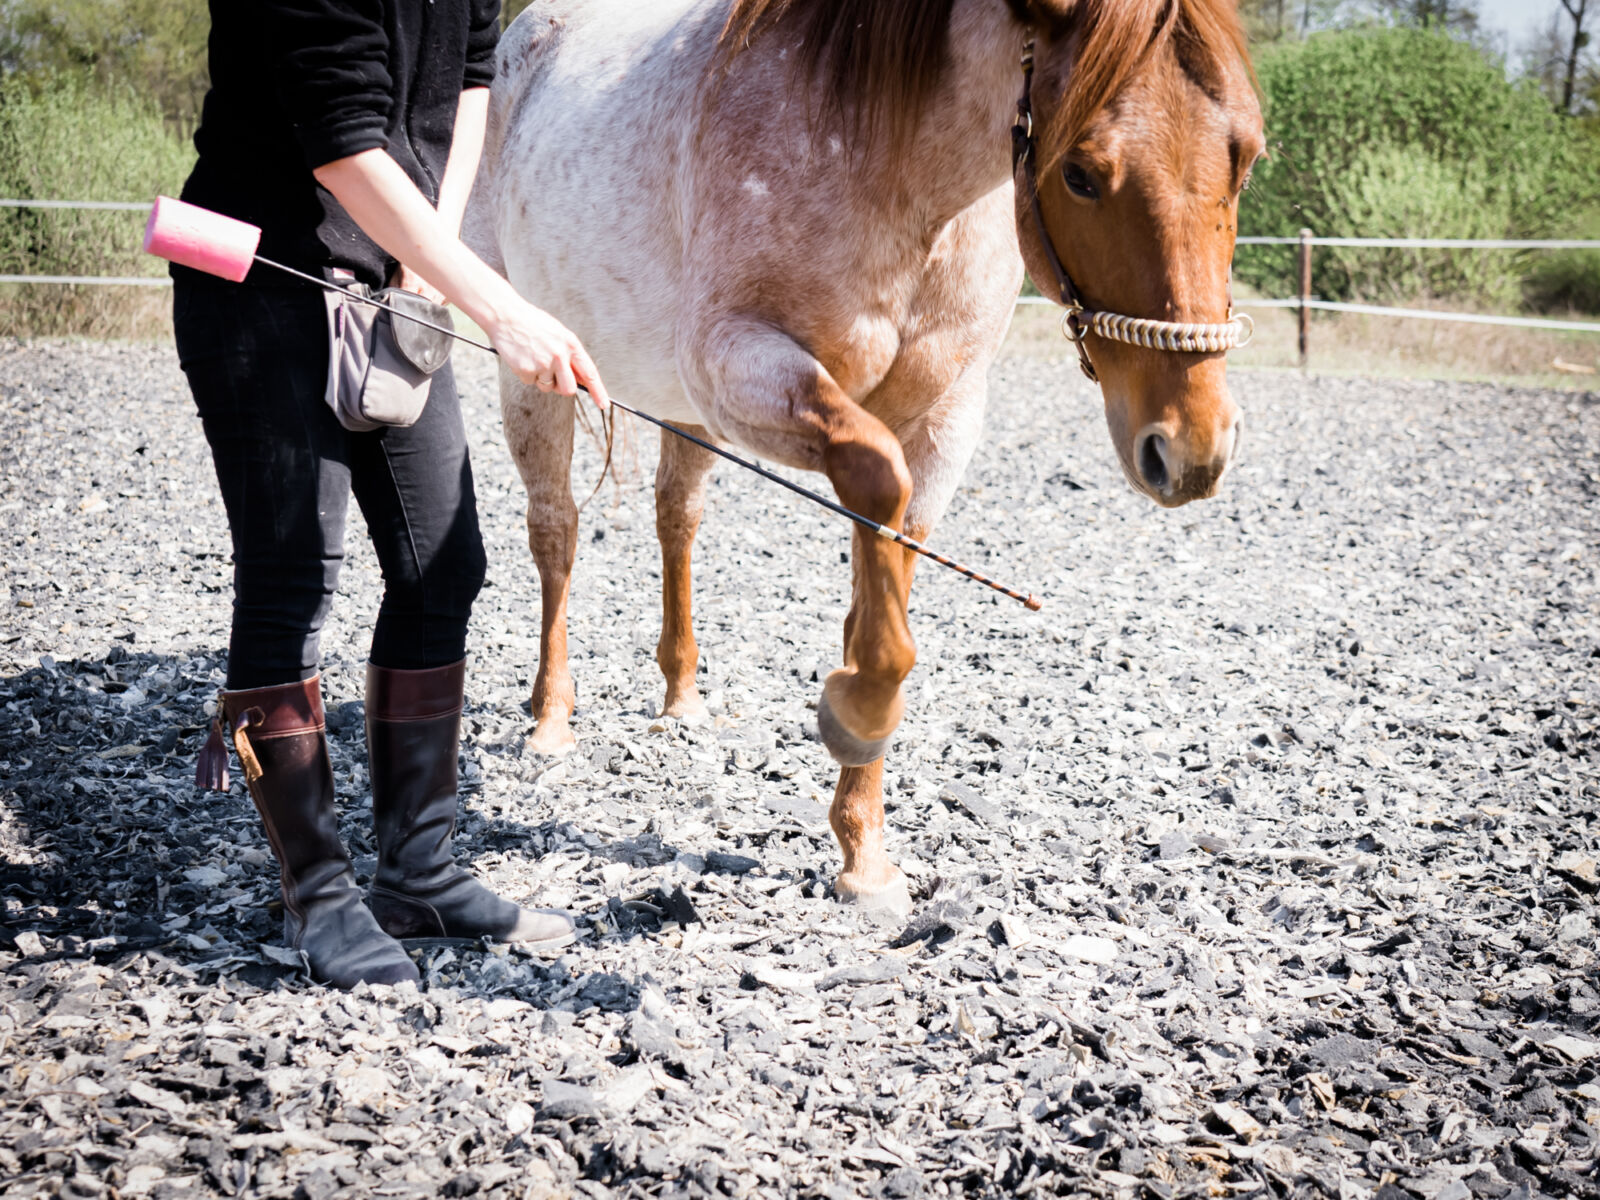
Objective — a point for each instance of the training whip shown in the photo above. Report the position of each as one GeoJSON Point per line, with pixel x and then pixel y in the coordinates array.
{"type": "Point", "coordinates": [206, 241]}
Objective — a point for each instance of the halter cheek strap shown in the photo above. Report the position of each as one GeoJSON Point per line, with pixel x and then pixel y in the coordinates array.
{"type": "Point", "coordinates": [1078, 321]}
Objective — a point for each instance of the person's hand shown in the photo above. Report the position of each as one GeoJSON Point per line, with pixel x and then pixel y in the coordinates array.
{"type": "Point", "coordinates": [542, 351]}
{"type": "Point", "coordinates": [408, 280]}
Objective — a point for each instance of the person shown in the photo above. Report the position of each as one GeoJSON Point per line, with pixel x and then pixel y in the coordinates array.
{"type": "Point", "coordinates": [350, 131]}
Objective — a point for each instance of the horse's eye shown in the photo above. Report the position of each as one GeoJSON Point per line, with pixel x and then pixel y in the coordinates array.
{"type": "Point", "coordinates": [1078, 182]}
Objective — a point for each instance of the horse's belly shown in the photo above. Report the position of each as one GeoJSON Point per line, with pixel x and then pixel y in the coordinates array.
{"type": "Point", "coordinates": [586, 181]}
{"type": "Point", "coordinates": [618, 304]}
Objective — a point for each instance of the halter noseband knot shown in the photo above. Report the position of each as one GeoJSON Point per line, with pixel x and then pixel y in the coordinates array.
{"type": "Point", "coordinates": [1183, 337]}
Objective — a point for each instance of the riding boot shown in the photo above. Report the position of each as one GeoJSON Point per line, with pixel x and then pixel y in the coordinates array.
{"type": "Point", "coordinates": [283, 746]}
{"type": "Point", "coordinates": [413, 738]}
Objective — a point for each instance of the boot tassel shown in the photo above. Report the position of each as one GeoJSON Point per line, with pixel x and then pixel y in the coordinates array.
{"type": "Point", "coordinates": [211, 768]}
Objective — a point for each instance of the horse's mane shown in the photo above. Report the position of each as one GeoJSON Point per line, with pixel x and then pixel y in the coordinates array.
{"type": "Point", "coordinates": [882, 60]}
{"type": "Point", "coordinates": [1115, 37]}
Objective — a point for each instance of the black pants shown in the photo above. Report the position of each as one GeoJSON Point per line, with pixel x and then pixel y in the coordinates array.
{"type": "Point", "coordinates": [257, 362]}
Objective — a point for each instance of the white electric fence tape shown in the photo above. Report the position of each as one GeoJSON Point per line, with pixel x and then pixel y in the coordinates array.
{"type": "Point", "coordinates": [1322, 305]}
{"type": "Point", "coordinates": [93, 280]}
{"type": "Point", "coordinates": [1428, 314]}
{"type": "Point", "coordinates": [1427, 243]}
{"type": "Point", "coordinates": [92, 205]}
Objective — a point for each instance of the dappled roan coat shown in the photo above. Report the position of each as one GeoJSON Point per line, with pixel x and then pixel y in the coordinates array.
{"type": "Point", "coordinates": [794, 226]}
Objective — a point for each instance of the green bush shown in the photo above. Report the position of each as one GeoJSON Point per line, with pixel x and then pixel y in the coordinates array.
{"type": "Point", "coordinates": [1402, 191]}
{"type": "Point", "coordinates": [156, 47]}
{"type": "Point", "coordinates": [65, 137]}
{"type": "Point", "coordinates": [510, 10]}
{"type": "Point", "coordinates": [1568, 280]}
{"type": "Point", "coordinates": [1383, 132]}
{"type": "Point", "coordinates": [62, 138]}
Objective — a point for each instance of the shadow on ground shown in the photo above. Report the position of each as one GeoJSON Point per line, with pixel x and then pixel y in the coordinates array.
{"type": "Point", "coordinates": [109, 849]}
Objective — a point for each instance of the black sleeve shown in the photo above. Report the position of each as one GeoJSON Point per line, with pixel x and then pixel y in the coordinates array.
{"type": "Point", "coordinates": [481, 41]}
{"type": "Point", "coordinates": [330, 60]}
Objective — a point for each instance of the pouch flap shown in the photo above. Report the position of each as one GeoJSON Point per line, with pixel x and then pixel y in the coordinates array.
{"type": "Point", "coordinates": [424, 348]}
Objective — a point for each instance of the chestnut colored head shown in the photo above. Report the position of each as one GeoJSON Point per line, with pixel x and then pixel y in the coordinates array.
{"type": "Point", "coordinates": [1147, 125]}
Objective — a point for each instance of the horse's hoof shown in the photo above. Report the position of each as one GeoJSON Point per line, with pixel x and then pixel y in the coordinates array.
{"type": "Point", "coordinates": [847, 749]}
{"type": "Point", "coordinates": [552, 737]}
{"type": "Point", "coordinates": [882, 893]}
{"type": "Point", "coordinates": [689, 709]}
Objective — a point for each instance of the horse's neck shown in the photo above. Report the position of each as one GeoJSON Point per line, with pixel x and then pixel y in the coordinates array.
{"type": "Point", "coordinates": [963, 143]}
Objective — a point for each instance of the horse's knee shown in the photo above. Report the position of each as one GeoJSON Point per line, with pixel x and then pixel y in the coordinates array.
{"type": "Point", "coordinates": [676, 527]}
{"type": "Point", "coordinates": [553, 538]}
{"type": "Point", "coordinates": [681, 482]}
{"type": "Point", "coordinates": [869, 473]}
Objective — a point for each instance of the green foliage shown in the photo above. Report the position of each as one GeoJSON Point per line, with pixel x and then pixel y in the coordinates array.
{"type": "Point", "coordinates": [1276, 20]}
{"type": "Point", "coordinates": [1386, 132]}
{"type": "Point", "coordinates": [1460, 15]}
{"type": "Point", "coordinates": [1568, 280]}
{"type": "Point", "coordinates": [68, 137]}
{"type": "Point", "coordinates": [155, 47]}
{"type": "Point", "coordinates": [509, 9]}
{"type": "Point", "coordinates": [1402, 191]}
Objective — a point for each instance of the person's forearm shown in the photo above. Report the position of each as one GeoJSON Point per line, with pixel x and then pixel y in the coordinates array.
{"type": "Point", "coordinates": [532, 344]}
{"type": "Point", "coordinates": [466, 148]}
{"type": "Point", "coordinates": [382, 199]}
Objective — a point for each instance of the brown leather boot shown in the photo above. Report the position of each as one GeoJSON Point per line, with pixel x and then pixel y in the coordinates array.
{"type": "Point", "coordinates": [283, 746]}
{"type": "Point", "coordinates": [413, 738]}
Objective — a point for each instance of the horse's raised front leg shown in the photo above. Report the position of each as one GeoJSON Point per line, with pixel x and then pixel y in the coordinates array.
{"type": "Point", "coordinates": [681, 479]}
{"type": "Point", "coordinates": [538, 430]}
{"type": "Point", "coordinates": [762, 391]}
{"type": "Point", "coordinates": [937, 451]}
{"type": "Point", "coordinates": [769, 395]}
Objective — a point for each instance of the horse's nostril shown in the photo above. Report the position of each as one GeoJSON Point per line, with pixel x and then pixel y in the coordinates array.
{"type": "Point", "coordinates": [1153, 461]}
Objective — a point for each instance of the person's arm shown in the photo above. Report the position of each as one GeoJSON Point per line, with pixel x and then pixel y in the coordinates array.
{"type": "Point", "coordinates": [330, 70]}
{"type": "Point", "coordinates": [472, 120]}
{"type": "Point", "coordinates": [381, 198]}
{"type": "Point", "coordinates": [466, 148]}
{"type": "Point", "coordinates": [472, 112]}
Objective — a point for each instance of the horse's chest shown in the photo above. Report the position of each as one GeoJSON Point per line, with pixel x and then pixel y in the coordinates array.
{"type": "Point", "coordinates": [912, 332]}
{"type": "Point", "coordinates": [859, 354]}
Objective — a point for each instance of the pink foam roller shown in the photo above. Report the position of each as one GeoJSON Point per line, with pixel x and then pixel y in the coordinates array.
{"type": "Point", "coordinates": [198, 238]}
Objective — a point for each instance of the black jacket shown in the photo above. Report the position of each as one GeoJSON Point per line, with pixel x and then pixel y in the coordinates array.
{"type": "Point", "coordinates": [296, 84]}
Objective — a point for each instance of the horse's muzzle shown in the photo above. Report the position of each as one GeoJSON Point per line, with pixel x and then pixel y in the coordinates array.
{"type": "Point", "coordinates": [1174, 469]}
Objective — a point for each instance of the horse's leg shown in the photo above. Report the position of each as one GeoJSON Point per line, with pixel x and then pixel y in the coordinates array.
{"type": "Point", "coordinates": [774, 397]}
{"type": "Point", "coordinates": [538, 430]}
{"type": "Point", "coordinates": [937, 451]}
{"type": "Point", "coordinates": [768, 394]}
{"type": "Point", "coordinates": [681, 479]}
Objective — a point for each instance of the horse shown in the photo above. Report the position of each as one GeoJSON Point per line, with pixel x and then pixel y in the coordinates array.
{"type": "Point", "coordinates": [799, 227]}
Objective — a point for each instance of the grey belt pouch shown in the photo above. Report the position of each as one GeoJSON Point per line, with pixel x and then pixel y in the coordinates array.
{"type": "Point", "coordinates": [381, 365]}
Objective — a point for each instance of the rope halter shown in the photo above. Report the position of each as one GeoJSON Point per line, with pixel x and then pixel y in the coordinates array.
{"type": "Point", "coordinates": [1183, 337]}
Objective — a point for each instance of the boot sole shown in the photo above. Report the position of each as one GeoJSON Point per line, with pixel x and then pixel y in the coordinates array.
{"type": "Point", "coordinates": [424, 943]}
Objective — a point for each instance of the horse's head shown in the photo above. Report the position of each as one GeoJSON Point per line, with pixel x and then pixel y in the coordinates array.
{"type": "Point", "coordinates": [1145, 127]}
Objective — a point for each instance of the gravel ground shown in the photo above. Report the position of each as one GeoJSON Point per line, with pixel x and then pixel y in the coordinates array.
{"type": "Point", "coordinates": [1263, 861]}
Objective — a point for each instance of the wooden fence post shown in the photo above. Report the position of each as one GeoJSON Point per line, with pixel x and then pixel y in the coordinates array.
{"type": "Point", "coordinates": [1305, 295]}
